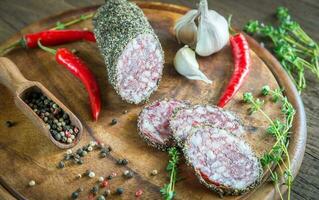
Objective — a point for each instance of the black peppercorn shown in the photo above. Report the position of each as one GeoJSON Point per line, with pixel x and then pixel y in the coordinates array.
{"type": "Point", "coordinates": [95, 189]}
{"type": "Point", "coordinates": [80, 162]}
{"type": "Point", "coordinates": [119, 191]}
{"type": "Point", "coordinates": [103, 155]}
{"type": "Point", "coordinates": [113, 122]}
{"type": "Point", "coordinates": [9, 124]}
{"type": "Point", "coordinates": [61, 164]}
{"type": "Point", "coordinates": [109, 177]}
{"type": "Point", "coordinates": [75, 195]}
{"type": "Point", "coordinates": [122, 161]}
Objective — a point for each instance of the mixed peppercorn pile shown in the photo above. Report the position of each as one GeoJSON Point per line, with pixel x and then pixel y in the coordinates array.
{"type": "Point", "coordinates": [57, 121]}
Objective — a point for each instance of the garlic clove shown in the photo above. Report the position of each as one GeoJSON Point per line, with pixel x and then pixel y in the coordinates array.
{"type": "Point", "coordinates": [201, 77]}
{"type": "Point", "coordinates": [186, 28]}
{"type": "Point", "coordinates": [213, 32]}
{"type": "Point", "coordinates": [186, 64]}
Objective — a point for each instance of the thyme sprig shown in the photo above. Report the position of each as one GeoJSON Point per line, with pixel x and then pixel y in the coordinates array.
{"type": "Point", "coordinates": [168, 190]}
{"type": "Point", "coordinates": [280, 131]}
{"type": "Point", "coordinates": [295, 50]}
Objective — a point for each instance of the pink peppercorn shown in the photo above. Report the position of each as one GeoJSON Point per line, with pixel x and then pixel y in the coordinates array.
{"type": "Point", "coordinates": [104, 184]}
{"type": "Point", "coordinates": [76, 130]}
{"type": "Point", "coordinates": [67, 134]}
{"type": "Point", "coordinates": [139, 193]}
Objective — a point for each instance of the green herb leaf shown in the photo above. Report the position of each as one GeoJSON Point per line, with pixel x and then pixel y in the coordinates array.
{"type": "Point", "coordinates": [294, 48]}
{"type": "Point", "coordinates": [280, 131]}
{"type": "Point", "coordinates": [265, 90]}
{"type": "Point", "coordinates": [168, 191]}
{"type": "Point", "coordinates": [60, 26]}
{"type": "Point", "coordinates": [248, 97]}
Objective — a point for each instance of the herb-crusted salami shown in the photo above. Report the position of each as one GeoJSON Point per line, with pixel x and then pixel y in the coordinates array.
{"type": "Point", "coordinates": [184, 119]}
{"type": "Point", "coordinates": [131, 50]}
{"type": "Point", "coordinates": [153, 122]}
{"type": "Point", "coordinates": [222, 162]}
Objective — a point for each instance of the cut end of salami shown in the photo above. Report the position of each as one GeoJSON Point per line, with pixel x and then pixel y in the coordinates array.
{"type": "Point", "coordinates": [222, 162]}
{"type": "Point", "coordinates": [153, 122]}
{"type": "Point", "coordinates": [139, 68]}
{"type": "Point", "coordinates": [132, 52]}
{"type": "Point", "coordinates": [184, 119]}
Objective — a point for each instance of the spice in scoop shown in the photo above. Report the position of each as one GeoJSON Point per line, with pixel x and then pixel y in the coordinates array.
{"type": "Point", "coordinates": [57, 120]}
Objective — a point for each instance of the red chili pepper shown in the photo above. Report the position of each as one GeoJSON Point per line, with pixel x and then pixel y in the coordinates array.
{"type": "Point", "coordinates": [56, 37]}
{"type": "Point", "coordinates": [79, 69]}
{"type": "Point", "coordinates": [241, 56]}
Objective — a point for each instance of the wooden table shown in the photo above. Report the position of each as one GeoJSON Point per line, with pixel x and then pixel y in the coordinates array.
{"type": "Point", "coordinates": [15, 14]}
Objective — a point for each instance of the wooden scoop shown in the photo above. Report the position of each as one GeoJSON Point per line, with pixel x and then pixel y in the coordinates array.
{"type": "Point", "coordinates": [12, 78]}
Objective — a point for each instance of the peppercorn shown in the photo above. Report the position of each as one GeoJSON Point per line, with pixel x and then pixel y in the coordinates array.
{"type": "Point", "coordinates": [32, 183]}
{"type": "Point", "coordinates": [105, 150]}
{"type": "Point", "coordinates": [113, 122]}
{"type": "Point", "coordinates": [101, 179]}
{"type": "Point", "coordinates": [90, 148]}
{"type": "Point", "coordinates": [51, 115]}
{"type": "Point", "coordinates": [80, 161]}
{"type": "Point", "coordinates": [119, 191]}
{"type": "Point", "coordinates": [9, 124]}
{"type": "Point", "coordinates": [79, 151]}
{"type": "Point", "coordinates": [78, 176]}
{"type": "Point", "coordinates": [103, 155]}
{"type": "Point", "coordinates": [138, 193]}
{"type": "Point", "coordinates": [67, 157]}
{"type": "Point", "coordinates": [122, 161]}
{"type": "Point", "coordinates": [74, 195]}
{"type": "Point", "coordinates": [154, 172]}
{"type": "Point", "coordinates": [101, 197]}
{"type": "Point", "coordinates": [83, 153]}
{"type": "Point", "coordinates": [107, 193]}
{"type": "Point", "coordinates": [104, 184]}
{"type": "Point", "coordinates": [128, 174]}
{"type": "Point", "coordinates": [95, 189]}
{"type": "Point", "coordinates": [69, 140]}
{"type": "Point", "coordinates": [109, 177]}
{"type": "Point", "coordinates": [110, 148]}
{"type": "Point", "coordinates": [91, 175]}
{"type": "Point", "coordinates": [61, 164]}
{"type": "Point", "coordinates": [87, 172]}
{"type": "Point", "coordinates": [57, 136]}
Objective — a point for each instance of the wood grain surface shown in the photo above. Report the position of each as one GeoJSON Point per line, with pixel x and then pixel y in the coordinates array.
{"type": "Point", "coordinates": [305, 11]}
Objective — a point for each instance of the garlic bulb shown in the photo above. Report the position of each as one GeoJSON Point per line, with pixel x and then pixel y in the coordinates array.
{"type": "Point", "coordinates": [186, 64]}
{"type": "Point", "coordinates": [186, 28]}
{"type": "Point", "coordinates": [213, 32]}
{"type": "Point", "coordinates": [210, 36]}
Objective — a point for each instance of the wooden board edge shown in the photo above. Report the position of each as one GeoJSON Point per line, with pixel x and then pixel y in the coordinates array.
{"type": "Point", "coordinates": [271, 62]}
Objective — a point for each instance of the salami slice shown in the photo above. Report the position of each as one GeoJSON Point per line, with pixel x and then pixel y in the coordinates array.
{"type": "Point", "coordinates": [132, 52]}
{"type": "Point", "coordinates": [153, 122]}
{"type": "Point", "coordinates": [183, 119]}
{"type": "Point", "coordinates": [222, 162]}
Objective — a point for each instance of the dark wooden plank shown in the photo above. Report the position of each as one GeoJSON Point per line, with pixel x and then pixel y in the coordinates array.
{"type": "Point", "coordinates": [15, 14]}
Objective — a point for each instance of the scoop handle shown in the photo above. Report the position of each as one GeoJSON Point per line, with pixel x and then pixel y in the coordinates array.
{"type": "Point", "coordinates": [10, 75]}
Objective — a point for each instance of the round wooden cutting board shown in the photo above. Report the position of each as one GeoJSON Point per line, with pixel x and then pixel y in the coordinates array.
{"type": "Point", "coordinates": [26, 154]}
